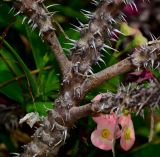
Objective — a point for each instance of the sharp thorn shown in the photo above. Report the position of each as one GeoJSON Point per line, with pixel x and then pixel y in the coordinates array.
{"type": "Point", "coordinates": [12, 9]}
{"type": "Point", "coordinates": [52, 5]}
{"type": "Point", "coordinates": [24, 19]}
{"type": "Point", "coordinates": [108, 47]}
{"type": "Point", "coordinates": [17, 13]}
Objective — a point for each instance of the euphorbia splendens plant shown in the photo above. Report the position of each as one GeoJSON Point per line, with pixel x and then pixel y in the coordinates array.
{"type": "Point", "coordinates": [77, 78]}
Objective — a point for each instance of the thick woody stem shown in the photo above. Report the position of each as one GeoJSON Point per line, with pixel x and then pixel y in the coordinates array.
{"type": "Point", "coordinates": [40, 17]}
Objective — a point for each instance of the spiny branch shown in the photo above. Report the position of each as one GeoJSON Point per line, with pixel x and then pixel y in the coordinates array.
{"type": "Point", "coordinates": [40, 17]}
{"type": "Point", "coordinates": [88, 49]}
{"type": "Point", "coordinates": [146, 56]}
{"type": "Point", "coordinates": [108, 73]}
{"type": "Point", "coordinates": [133, 98]}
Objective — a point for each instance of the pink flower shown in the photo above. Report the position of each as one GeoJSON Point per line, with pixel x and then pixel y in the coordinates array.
{"type": "Point", "coordinates": [107, 128]}
{"type": "Point", "coordinates": [102, 137]}
{"type": "Point", "coordinates": [128, 136]}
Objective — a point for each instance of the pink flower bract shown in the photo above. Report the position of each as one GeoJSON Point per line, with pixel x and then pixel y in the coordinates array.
{"type": "Point", "coordinates": [108, 119]}
{"type": "Point", "coordinates": [102, 137]}
{"type": "Point", "coordinates": [99, 138]}
{"type": "Point", "coordinates": [128, 136]}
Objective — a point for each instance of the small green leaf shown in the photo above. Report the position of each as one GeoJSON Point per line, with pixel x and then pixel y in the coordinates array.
{"type": "Point", "coordinates": [52, 82]}
{"type": "Point", "coordinates": [40, 107]}
{"type": "Point", "coordinates": [127, 30]}
{"type": "Point", "coordinates": [139, 39]}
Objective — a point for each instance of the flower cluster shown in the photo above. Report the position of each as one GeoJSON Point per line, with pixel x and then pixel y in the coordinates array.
{"type": "Point", "coordinates": [108, 129]}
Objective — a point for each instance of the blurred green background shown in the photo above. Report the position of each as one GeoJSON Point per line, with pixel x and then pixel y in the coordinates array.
{"type": "Point", "coordinates": [29, 78]}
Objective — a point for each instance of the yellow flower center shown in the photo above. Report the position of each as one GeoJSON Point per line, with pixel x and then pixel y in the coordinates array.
{"type": "Point", "coordinates": [105, 133]}
{"type": "Point", "coordinates": [127, 133]}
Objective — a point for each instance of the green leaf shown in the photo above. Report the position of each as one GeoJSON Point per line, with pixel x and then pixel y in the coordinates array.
{"type": "Point", "coordinates": [127, 30]}
{"type": "Point", "coordinates": [10, 61]}
{"type": "Point", "coordinates": [145, 151]}
{"type": "Point", "coordinates": [139, 39]}
{"type": "Point", "coordinates": [10, 18]}
{"type": "Point", "coordinates": [110, 85]}
{"type": "Point", "coordinates": [68, 11]}
{"type": "Point", "coordinates": [12, 90]}
{"type": "Point", "coordinates": [40, 107]}
{"type": "Point", "coordinates": [29, 77]}
{"type": "Point", "coordinates": [51, 82]}
{"type": "Point", "coordinates": [48, 83]}
{"type": "Point", "coordinates": [156, 73]}
{"type": "Point", "coordinates": [39, 49]}
{"type": "Point", "coordinates": [4, 11]}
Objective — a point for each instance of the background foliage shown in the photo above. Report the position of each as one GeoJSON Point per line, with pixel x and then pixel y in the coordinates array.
{"type": "Point", "coordinates": [29, 77]}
